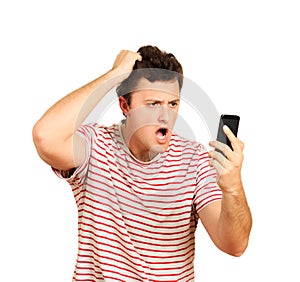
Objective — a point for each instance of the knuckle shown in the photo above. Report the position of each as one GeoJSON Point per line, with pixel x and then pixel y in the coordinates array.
{"type": "Point", "coordinates": [242, 145]}
{"type": "Point", "coordinates": [227, 150]}
{"type": "Point", "coordinates": [240, 157]}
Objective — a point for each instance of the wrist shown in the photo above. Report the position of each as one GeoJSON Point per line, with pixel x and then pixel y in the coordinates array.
{"type": "Point", "coordinates": [118, 74]}
{"type": "Point", "coordinates": [235, 189]}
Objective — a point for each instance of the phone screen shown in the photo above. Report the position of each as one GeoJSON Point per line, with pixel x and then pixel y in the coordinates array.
{"type": "Point", "coordinates": [232, 121]}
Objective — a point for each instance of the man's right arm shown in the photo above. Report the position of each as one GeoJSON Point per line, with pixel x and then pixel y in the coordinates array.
{"type": "Point", "coordinates": [54, 133]}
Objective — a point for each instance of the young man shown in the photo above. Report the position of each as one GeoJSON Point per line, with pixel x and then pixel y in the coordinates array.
{"type": "Point", "coordinates": [140, 188]}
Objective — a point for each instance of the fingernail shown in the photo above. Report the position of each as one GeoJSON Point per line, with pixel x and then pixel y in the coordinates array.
{"type": "Point", "coordinates": [225, 128]}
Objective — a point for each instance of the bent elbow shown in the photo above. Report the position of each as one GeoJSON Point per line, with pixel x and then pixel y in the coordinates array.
{"type": "Point", "coordinates": [55, 151]}
{"type": "Point", "coordinates": [236, 251]}
{"type": "Point", "coordinates": [38, 136]}
{"type": "Point", "coordinates": [42, 141]}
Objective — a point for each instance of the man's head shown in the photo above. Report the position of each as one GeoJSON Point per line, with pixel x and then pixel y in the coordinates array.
{"type": "Point", "coordinates": [149, 98]}
{"type": "Point", "coordinates": [156, 65]}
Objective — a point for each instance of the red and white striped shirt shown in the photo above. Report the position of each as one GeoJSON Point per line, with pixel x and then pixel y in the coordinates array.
{"type": "Point", "coordinates": [137, 220]}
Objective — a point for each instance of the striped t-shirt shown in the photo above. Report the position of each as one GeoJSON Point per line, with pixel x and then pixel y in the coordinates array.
{"type": "Point", "coordinates": [137, 220]}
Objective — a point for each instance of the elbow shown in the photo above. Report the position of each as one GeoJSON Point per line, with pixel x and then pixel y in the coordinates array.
{"type": "Point", "coordinates": [236, 250]}
{"type": "Point", "coordinates": [38, 136]}
{"type": "Point", "coordinates": [236, 253]}
{"type": "Point", "coordinates": [41, 141]}
{"type": "Point", "coordinates": [53, 150]}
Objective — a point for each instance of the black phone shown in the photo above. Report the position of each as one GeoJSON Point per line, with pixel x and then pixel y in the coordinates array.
{"type": "Point", "coordinates": [232, 121]}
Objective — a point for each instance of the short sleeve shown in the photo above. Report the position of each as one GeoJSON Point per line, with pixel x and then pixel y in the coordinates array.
{"type": "Point", "coordinates": [207, 189]}
{"type": "Point", "coordinates": [76, 177]}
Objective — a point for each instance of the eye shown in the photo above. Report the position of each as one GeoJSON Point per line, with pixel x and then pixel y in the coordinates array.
{"type": "Point", "coordinates": [153, 104]}
{"type": "Point", "coordinates": [173, 104]}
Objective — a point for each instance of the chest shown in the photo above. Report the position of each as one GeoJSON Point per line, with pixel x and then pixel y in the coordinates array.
{"type": "Point", "coordinates": [165, 185]}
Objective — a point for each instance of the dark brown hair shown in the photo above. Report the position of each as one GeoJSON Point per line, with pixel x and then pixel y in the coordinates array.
{"type": "Point", "coordinates": [156, 65]}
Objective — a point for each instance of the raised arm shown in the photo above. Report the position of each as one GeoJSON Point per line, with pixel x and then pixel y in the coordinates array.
{"type": "Point", "coordinates": [228, 222]}
{"type": "Point", "coordinates": [54, 133]}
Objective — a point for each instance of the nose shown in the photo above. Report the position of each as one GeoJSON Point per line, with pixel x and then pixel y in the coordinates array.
{"type": "Point", "coordinates": [164, 114]}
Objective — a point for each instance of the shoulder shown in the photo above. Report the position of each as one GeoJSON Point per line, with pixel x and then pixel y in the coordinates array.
{"type": "Point", "coordinates": [107, 138]}
{"type": "Point", "coordinates": [99, 130]}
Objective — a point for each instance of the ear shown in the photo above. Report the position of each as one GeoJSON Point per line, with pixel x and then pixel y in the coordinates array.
{"type": "Point", "coordinates": [123, 105]}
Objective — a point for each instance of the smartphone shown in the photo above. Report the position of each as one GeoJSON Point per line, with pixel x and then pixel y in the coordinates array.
{"type": "Point", "coordinates": [232, 121]}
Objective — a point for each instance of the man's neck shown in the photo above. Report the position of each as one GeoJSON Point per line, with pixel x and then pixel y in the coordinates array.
{"type": "Point", "coordinates": [139, 152]}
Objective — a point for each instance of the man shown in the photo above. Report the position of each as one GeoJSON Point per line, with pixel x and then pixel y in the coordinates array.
{"type": "Point", "coordinates": [140, 188]}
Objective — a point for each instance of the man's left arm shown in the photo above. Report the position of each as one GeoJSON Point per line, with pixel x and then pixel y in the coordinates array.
{"type": "Point", "coordinates": [228, 222]}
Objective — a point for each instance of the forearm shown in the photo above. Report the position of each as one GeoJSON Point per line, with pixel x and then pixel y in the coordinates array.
{"type": "Point", "coordinates": [235, 222]}
{"type": "Point", "coordinates": [65, 116]}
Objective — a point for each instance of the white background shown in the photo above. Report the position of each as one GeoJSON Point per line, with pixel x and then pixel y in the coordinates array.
{"type": "Point", "coordinates": [243, 54]}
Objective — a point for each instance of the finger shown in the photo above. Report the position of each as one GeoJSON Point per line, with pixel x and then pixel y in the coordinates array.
{"type": "Point", "coordinates": [133, 55]}
{"type": "Point", "coordinates": [139, 57]}
{"type": "Point", "coordinates": [219, 168]}
{"type": "Point", "coordinates": [219, 157]}
{"type": "Point", "coordinates": [225, 149]}
{"type": "Point", "coordinates": [241, 144]}
{"type": "Point", "coordinates": [232, 138]}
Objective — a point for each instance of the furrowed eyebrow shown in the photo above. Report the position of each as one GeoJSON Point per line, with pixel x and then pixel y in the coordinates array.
{"type": "Point", "coordinates": [158, 100]}
{"type": "Point", "coordinates": [153, 100]}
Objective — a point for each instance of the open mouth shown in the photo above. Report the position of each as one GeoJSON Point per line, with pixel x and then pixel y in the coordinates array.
{"type": "Point", "coordinates": [161, 135]}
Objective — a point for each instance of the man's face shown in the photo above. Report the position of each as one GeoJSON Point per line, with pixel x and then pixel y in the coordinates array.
{"type": "Point", "coordinates": [150, 117]}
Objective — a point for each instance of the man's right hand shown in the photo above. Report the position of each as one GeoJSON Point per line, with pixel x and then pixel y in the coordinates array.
{"type": "Point", "coordinates": [124, 62]}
